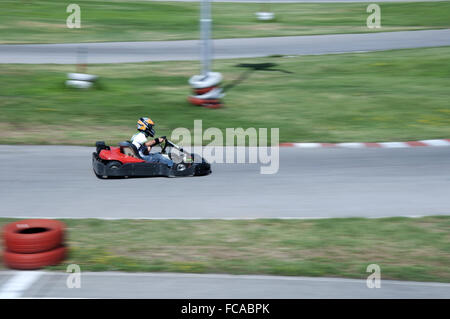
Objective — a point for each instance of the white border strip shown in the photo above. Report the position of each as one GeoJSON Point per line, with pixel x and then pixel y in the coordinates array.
{"type": "Point", "coordinates": [435, 143]}
{"type": "Point", "coordinates": [394, 145]}
{"type": "Point", "coordinates": [351, 145]}
{"type": "Point", "coordinates": [19, 283]}
{"type": "Point", "coordinates": [307, 145]}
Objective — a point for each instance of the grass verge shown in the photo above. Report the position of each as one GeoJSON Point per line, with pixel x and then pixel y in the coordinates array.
{"type": "Point", "coordinates": [405, 248]}
{"type": "Point", "coordinates": [32, 21]}
{"type": "Point", "coordinates": [380, 96]}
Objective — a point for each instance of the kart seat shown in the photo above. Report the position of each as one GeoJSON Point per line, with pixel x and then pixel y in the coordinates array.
{"type": "Point", "coordinates": [129, 149]}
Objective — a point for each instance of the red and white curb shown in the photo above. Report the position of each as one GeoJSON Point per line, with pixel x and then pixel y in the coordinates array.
{"type": "Point", "coordinates": [442, 142]}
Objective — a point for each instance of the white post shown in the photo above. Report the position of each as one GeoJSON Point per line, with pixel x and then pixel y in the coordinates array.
{"type": "Point", "coordinates": [206, 90]}
{"type": "Point", "coordinates": [265, 13]}
{"type": "Point", "coordinates": [205, 27]}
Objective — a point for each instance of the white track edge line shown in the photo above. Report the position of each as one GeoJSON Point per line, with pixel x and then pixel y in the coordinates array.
{"type": "Point", "coordinates": [19, 283]}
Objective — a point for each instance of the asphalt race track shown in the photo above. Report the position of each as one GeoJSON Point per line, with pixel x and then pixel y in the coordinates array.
{"type": "Point", "coordinates": [58, 182]}
{"type": "Point", "coordinates": [121, 52]}
{"type": "Point", "coordinates": [195, 286]}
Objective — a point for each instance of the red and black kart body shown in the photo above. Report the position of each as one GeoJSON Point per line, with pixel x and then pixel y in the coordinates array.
{"type": "Point", "coordinates": [124, 161]}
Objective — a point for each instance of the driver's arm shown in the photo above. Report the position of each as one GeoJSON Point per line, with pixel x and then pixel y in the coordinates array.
{"type": "Point", "coordinates": [154, 142]}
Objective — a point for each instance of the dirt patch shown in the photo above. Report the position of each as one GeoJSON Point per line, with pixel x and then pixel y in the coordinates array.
{"type": "Point", "coordinates": [57, 135]}
{"type": "Point", "coordinates": [40, 24]}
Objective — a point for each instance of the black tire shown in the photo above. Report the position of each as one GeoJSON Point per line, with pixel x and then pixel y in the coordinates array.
{"type": "Point", "coordinates": [114, 165]}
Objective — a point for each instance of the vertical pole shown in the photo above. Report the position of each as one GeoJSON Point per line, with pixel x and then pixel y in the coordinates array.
{"type": "Point", "coordinates": [81, 59]}
{"type": "Point", "coordinates": [205, 27]}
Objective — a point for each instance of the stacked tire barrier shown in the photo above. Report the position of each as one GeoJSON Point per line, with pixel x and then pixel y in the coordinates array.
{"type": "Point", "coordinates": [33, 243]}
{"type": "Point", "coordinates": [206, 90]}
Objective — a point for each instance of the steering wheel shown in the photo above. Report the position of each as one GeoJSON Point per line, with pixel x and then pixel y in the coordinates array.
{"type": "Point", "coordinates": [166, 143]}
{"type": "Point", "coordinates": [163, 147]}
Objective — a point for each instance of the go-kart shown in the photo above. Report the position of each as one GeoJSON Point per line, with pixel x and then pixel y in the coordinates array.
{"type": "Point", "coordinates": [125, 161]}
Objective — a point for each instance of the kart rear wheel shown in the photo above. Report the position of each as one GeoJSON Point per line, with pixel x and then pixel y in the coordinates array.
{"type": "Point", "coordinates": [111, 165]}
{"type": "Point", "coordinates": [114, 165]}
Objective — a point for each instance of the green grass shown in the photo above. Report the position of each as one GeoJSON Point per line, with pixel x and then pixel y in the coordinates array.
{"type": "Point", "coordinates": [31, 21]}
{"type": "Point", "coordinates": [404, 248]}
{"type": "Point", "coordinates": [381, 96]}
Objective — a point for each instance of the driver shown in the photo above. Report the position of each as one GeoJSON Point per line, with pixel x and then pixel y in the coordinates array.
{"type": "Point", "coordinates": [145, 128]}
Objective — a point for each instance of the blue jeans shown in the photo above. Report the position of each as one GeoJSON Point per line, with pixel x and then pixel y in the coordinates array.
{"type": "Point", "coordinates": [157, 158]}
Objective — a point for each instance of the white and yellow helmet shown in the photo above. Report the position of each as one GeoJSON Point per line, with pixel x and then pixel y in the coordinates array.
{"type": "Point", "coordinates": [145, 124]}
